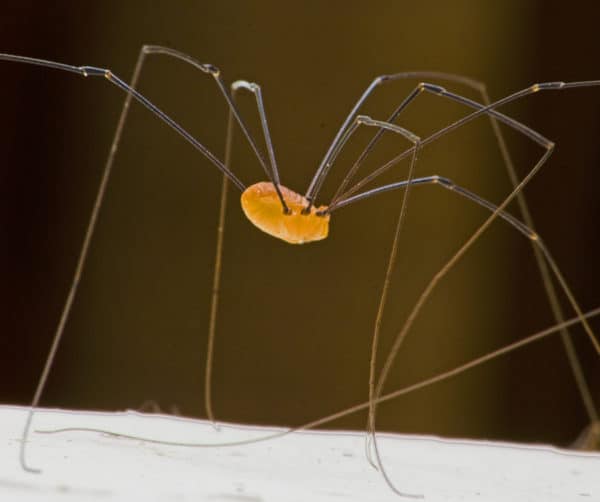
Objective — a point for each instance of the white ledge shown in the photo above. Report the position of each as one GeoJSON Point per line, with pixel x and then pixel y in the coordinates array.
{"type": "Point", "coordinates": [304, 466]}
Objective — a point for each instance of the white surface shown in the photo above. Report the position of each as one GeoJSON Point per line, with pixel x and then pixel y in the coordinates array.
{"type": "Point", "coordinates": [305, 466]}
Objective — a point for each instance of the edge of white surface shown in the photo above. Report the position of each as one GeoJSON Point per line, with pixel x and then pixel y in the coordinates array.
{"type": "Point", "coordinates": [302, 466]}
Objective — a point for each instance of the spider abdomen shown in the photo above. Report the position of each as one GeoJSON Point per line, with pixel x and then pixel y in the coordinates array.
{"type": "Point", "coordinates": [262, 207]}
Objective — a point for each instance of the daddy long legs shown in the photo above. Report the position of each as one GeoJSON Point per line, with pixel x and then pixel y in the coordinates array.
{"type": "Point", "coordinates": [297, 218]}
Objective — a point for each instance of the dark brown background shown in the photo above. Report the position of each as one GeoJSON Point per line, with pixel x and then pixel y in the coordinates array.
{"type": "Point", "coordinates": [295, 324]}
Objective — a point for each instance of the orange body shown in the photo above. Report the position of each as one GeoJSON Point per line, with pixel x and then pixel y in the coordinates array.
{"type": "Point", "coordinates": [263, 208]}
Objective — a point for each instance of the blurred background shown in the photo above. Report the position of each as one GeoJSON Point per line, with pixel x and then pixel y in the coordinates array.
{"type": "Point", "coordinates": [295, 322]}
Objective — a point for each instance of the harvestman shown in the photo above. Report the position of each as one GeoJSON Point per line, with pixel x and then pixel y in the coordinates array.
{"type": "Point", "coordinates": [296, 219]}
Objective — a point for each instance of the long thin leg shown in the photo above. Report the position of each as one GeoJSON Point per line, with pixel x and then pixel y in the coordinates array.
{"type": "Point", "coordinates": [131, 93]}
{"type": "Point", "coordinates": [256, 90]}
{"type": "Point", "coordinates": [272, 173]}
{"type": "Point", "coordinates": [91, 71]}
{"type": "Point", "coordinates": [449, 185]}
{"type": "Point", "coordinates": [216, 287]}
{"type": "Point", "coordinates": [384, 126]}
{"type": "Point", "coordinates": [364, 120]}
{"type": "Point", "coordinates": [78, 271]}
